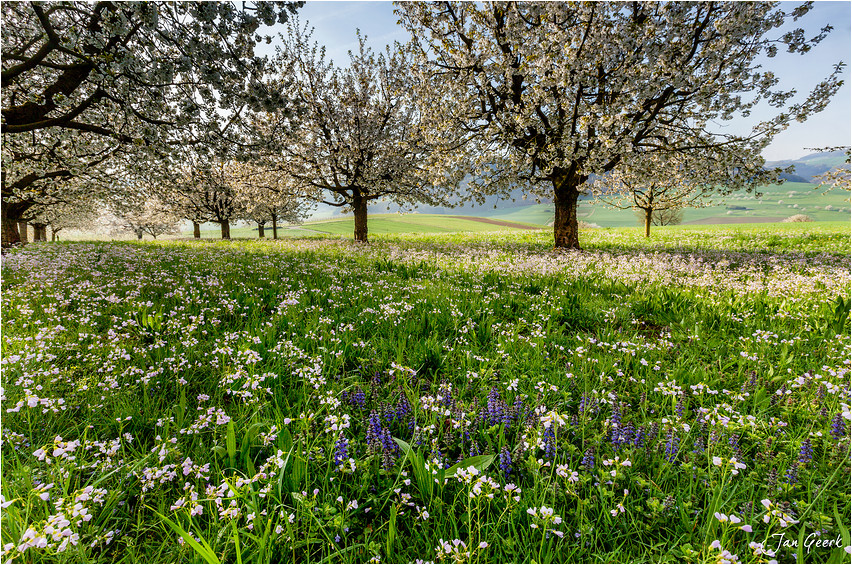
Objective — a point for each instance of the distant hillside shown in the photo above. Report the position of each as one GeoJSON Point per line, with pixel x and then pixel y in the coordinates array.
{"type": "Point", "coordinates": [809, 166]}
{"type": "Point", "coordinates": [515, 200]}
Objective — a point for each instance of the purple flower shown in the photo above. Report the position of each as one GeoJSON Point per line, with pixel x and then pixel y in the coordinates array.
{"type": "Point", "coordinates": [506, 462]}
{"type": "Point", "coordinates": [615, 418]}
{"type": "Point", "coordinates": [389, 448]}
{"type": "Point", "coordinates": [374, 433]}
{"type": "Point", "coordinates": [497, 409]}
{"type": "Point", "coordinates": [588, 461]}
{"type": "Point", "coordinates": [806, 452]}
{"type": "Point", "coordinates": [792, 476]}
{"type": "Point", "coordinates": [838, 427]}
{"type": "Point", "coordinates": [639, 437]}
{"type": "Point", "coordinates": [341, 451]}
{"type": "Point", "coordinates": [672, 446]}
{"type": "Point", "coordinates": [549, 443]}
{"type": "Point", "coordinates": [680, 405]}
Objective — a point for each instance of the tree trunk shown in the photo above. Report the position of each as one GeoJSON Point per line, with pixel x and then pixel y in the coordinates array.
{"type": "Point", "coordinates": [566, 192]}
{"type": "Point", "coordinates": [22, 231]}
{"type": "Point", "coordinates": [260, 230]}
{"type": "Point", "coordinates": [226, 229]}
{"type": "Point", "coordinates": [648, 213]}
{"type": "Point", "coordinates": [53, 232]}
{"type": "Point", "coordinates": [139, 235]}
{"type": "Point", "coordinates": [39, 232]}
{"type": "Point", "coordinates": [274, 226]}
{"type": "Point", "coordinates": [196, 230]}
{"type": "Point", "coordinates": [10, 234]}
{"type": "Point", "coordinates": [360, 206]}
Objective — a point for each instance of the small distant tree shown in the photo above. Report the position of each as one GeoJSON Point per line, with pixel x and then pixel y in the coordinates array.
{"type": "Point", "coordinates": [206, 192]}
{"type": "Point", "coordinates": [798, 218]}
{"type": "Point", "coordinates": [667, 217]}
{"type": "Point", "coordinates": [152, 217]}
{"type": "Point", "coordinates": [267, 196]}
{"type": "Point", "coordinates": [658, 186]}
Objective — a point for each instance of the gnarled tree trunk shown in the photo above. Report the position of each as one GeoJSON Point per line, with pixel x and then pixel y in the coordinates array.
{"type": "Point", "coordinates": [39, 232]}
{"type": "Point", "coordinates": [359, 204]}
{"type": "Point", "coordinates": [260, 232]}
{"type": "Point", "coordinates": [196, 230]}
{"type": "Point", "coordinates": [566, 192]}
{"type": "Point", "coordinates": [10, 214]}
{"type": "Point", "coordinates": [226, 229]}
{"type": "Point", "coordinates": [22, 231]}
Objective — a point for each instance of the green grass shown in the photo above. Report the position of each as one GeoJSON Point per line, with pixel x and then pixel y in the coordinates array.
{"type": "Point", "coordinates": [406, 223]}
{"type": "Point", "coordinates": [296, 401]}
{"type": "Point", "coordinates": [777, 202]}
{"type": "Point", "coordinates": [377, 224]}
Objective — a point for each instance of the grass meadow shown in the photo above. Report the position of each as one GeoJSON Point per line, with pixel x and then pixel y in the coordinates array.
{"type": "Point", "coordinates": [463, 397]}
{"type": "Point", "coordinates": [378, 224]}
{"type": "Point", "coordinates": [776, 202]}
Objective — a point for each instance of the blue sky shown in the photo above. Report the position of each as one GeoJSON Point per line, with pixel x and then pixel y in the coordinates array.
{"type": "Point", "coordinates": [335, 24]}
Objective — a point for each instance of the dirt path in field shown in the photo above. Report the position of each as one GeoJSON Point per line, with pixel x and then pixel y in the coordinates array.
{"type": "Point", "coordinates": [503, 223]}
{"type": "Point", "coordinates": [729, 220]}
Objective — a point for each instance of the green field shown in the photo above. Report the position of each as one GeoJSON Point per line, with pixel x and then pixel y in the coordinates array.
{"type": "Point", "coordinates": [376, 224]}
{"type": "Point", "coordinates": [453, 397]}
{"type": "Point", "coordinates": [777, 202]}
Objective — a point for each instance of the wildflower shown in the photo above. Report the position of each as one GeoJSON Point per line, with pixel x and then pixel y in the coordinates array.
{"type": "Point", "coordinates": [736, 466]}
{"type": "Point", "coordinates": [549, 443]}
{"type": "Point", "coordinates": [758, 549]}
{"type": "Point", "coordinates": [838, 427]}
{"type": "Point", "coordinates": [672, 446]}
{"type": "Point", "coordinates": [615, 421]}
{"type": "Point", "coordinates": [806, 452]}
{"type": "Point", "coordinates": [588, 461]}
{"type": "Point", "coordinates": [792, 475]}
{"type": "Point", "coordinates": [496, 406]}
{"type": "Point", "coordinates": [341, 451]}
{"type": "Point", "coordinates": [506, 462]}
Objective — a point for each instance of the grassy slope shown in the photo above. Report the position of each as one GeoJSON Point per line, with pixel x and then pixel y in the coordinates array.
{"type": "Point", "coordinates": [376, 224]}
{"type": "Point", "coordinates": [409, 223]}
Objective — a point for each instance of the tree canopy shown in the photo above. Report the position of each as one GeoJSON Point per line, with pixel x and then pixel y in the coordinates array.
{"type": "Point", "coordinates": [359, 135]}
{"type": "Point", "coordinates": [85, 81]}
{"type": "Point", "coordinates": [547, 94]}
